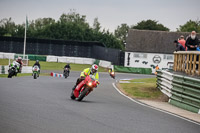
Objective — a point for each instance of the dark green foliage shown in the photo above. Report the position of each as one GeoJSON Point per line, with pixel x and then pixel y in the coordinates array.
{"type": "Point", "coordinates": [71, 26]}
{"type": "Point", "coordinates": [150, 25]}
{"type": "Point", "coordinates": [190, 26]}
{"type": "Point", "coordinates": [122, 32]}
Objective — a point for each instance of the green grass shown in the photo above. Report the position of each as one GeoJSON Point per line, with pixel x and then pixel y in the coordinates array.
{"type": "Point", "coordinates": [23, 74]}
{"type": "Point", "coordinates": [142, 88]}
{"type": "Point", "coordinates": [55, 65]}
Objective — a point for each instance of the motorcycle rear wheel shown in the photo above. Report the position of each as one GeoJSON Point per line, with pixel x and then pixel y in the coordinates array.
{"type": "Point", "coordinates": [66, 74]}
{"type": "Point", "coordinates": [82, 94]}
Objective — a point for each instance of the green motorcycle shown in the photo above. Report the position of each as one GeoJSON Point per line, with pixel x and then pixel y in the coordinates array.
{"type": "Point", "coordinates": [36, 71]}
{"type": "Point", "coordinates": [13, 69]}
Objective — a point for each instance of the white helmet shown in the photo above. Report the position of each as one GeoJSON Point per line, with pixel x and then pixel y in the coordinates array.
{"type": "Point", "coordinates": [19, 58]}
{"type": "Point", "coordinates": [94, 68]}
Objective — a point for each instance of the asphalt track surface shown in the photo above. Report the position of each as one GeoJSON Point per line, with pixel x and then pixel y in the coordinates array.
{"type": "Point", "coordinates": [44, 106]}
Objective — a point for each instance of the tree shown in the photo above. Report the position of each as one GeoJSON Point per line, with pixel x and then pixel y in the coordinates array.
{"type": "Point", "coordinates": [96, 25]}
{"type": "Point", "coordinates": [8, 27]}
{"type": "Point", "coordinates": [122, 32]}
{"type": "Point", "coordinates": [150, 25]}
{"type": "Point", "coordinates": [190, 26]}
{"type": "Point", "coordinates": [71, 26]}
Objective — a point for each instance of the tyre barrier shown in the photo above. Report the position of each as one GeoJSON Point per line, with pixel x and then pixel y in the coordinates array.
{"type": "Point", "coordinates": [4, 69]}
{"type": "Point", "coordinates": [56, 75]}
{"type": "Point", "coordinates": [183, 91]}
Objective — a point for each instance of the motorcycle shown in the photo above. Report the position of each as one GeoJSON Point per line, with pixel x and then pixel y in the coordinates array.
{"type": "Point", "coordinates": [35, 70]}
{"type": "Point", "coordinates": [66, 72]}
{"type": "Point", "coordinates": [13, 69]}
{"type": "Point", "coordinates": [112, 74]}
{"type": "Point", "coordinates": [84, 87]}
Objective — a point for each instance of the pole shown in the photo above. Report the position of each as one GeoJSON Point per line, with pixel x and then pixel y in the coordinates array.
{"type": "Point", "coordinates": [25, 39]}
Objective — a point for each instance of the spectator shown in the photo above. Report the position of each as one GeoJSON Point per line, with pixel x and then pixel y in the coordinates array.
{"type": "Point", "coordinates": [182, 41]}
{"type": "Point", "coordinates": [192, 42]}
{"type": "Point", "coordinates": [179, 47]}
{"type": "Point", "coordinates": [156, 68]}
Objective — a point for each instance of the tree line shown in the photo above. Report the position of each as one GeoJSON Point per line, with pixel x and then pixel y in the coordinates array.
{"type": "Point", "coordinates": [73, 26]}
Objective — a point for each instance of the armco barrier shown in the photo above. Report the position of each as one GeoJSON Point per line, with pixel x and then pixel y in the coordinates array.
{"type": "Point", "coordinates": [52, 59]}
{"type": "Point", "coordinates": [105, 64]}
{"type": "Point", "coordinates": [27, 69]}
{"type": "Point", "coordinates": [183, 91]}
{"type": "Point", "coordinates": [75, 60]}
{"type": "Point", "coordinates": [132, 70]}
{"type": "Point", "coordinates": [6, 55]}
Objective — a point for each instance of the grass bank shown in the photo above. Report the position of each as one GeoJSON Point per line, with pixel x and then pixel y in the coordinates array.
{"type": "Point", "coordinates": [55, 65]}
{"type": "Point", "coordinates": [23, 74]}
{"type": "Point", "coordinates": [142, 89]}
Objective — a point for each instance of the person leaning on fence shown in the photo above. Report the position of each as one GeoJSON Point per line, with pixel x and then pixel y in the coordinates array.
{"type": "Point", "coordinates": [179, 47]}
{"type": "Point", "coordinates": [182, 41]}
{"type": "Point", "coordinates": [192, 42]}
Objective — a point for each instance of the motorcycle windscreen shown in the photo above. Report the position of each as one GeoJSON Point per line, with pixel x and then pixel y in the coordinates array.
{"type": "Point", "coordinates": [78, 87]}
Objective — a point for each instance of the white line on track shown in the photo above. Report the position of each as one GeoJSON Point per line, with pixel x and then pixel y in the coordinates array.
{"type": "Point", "coordinates": [154, 107]}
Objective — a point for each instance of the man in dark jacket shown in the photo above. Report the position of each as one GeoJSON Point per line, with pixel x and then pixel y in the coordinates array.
{"type": "Point", "coordinates": [192, 42]}
{"type": "Point", "coordinates": [179, 47]}
{"type": "Point", "coordinates": [37, 63]}
{"type": "Point", "coordinates": [67, 66]}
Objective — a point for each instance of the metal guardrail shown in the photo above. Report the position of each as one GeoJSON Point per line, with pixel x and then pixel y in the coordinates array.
{"type": "Point", "coordinates": [187, 61]}
{"type": "Point", "coordinates": [183, 91]}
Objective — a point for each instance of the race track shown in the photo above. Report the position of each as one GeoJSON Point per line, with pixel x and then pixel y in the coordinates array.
{"type": "Point", "coordinates": [44, 106]}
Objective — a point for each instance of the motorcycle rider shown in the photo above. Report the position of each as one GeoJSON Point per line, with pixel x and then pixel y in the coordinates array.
{"type": "Point", "coordinates": [67, 66]}
{"type": "Point", "coordinates": [90, 71]}
{"type": "Point", "coordinates": [37, 64]}
{"type": "Point", "coordinates": [19, 60]}
{"type": "Point", "coordinates": [110, 70]}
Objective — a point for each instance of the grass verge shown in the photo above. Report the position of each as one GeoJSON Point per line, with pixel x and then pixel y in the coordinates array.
{"type": "Point", "coordinates": [55, 65]}
{"type": "Point", "coordinates": [142, 89]}
{"type": "Point", "coordinates": [23, 74]}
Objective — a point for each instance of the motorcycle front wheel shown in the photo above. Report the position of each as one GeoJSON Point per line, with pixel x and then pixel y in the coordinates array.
{"type": "Point", "coordinates": [82, 94]}
{"type": "Point", "coordinates": [35, 76]}
{"type": "Point", "coordinates": [66, 74]}
{"type": "Point", "coordinates": [11, 74]}
{"type": "Point", "coordinates": [72, 95]}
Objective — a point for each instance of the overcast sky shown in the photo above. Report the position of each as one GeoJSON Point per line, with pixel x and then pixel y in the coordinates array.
{"type": "Point", "coordinates": [111, 13]}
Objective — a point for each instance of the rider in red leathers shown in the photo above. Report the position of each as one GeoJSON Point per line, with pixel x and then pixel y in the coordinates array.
{"type": "Point", "coordinates": [19, 60]}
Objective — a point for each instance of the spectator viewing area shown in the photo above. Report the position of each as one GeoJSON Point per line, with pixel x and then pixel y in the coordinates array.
{"type": "Point", "coordinates": [187, 62]}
